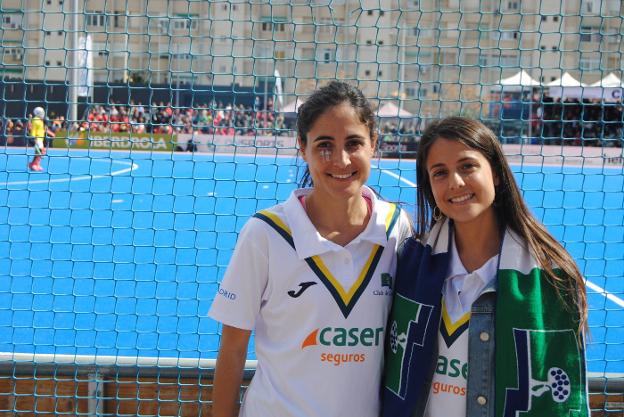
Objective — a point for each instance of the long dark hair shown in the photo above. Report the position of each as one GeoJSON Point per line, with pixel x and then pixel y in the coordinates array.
{"type": "Point", "coordinates": [509, 206]}
{"type": "Point", "coordinates": [326, 97]}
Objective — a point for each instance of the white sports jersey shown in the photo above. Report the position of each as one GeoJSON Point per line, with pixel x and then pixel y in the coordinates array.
{"type": "Point", "coordinates": [450, 380]}
{"type": "Point", "coordinates": [447, 396]}
{"type": "Point", "coordinates": [318, 309]}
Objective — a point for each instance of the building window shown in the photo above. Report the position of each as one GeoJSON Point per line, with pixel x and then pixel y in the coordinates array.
{"type": "Point", "coordinates": [184, 24]}
{"type": "Point", "coordinates": [271, 26]}
{"type": "Point", "coordinates": [95, 18]}
{"type": "Point", "coordinates": [508, 35]}
{"type": "Point", "coordinates": [589, 34]}
{"type": "Point", "coordinates": [11, 21]}
{"type": "Point", "coordinates": [513, 5]}
{"type": "Point", "coordinates": [13, 53]}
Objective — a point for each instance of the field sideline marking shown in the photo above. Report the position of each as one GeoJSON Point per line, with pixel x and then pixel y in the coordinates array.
{"type": "Point", "coordinates": [393, 175]}
{"type": "Point", "coordinates": [132, 166]}
{"type": "Point", "coordinates": [617, 300]}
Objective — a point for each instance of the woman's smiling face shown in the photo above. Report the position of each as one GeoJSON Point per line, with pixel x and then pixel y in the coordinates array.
{"type": "Point", "coordinates": [338, 152]}
{"type": "Point", "coordinates": [462, 182]}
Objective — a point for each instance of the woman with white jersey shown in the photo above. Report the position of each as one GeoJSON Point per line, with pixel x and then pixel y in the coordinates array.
{"type": "Point", "coordinates": [313, 278]}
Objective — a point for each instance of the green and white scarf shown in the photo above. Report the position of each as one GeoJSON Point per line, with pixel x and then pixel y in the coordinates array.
{"type": "Point", "coordinates": [540, 364]}
{"type": "Point", "coordinates": [538, 327]}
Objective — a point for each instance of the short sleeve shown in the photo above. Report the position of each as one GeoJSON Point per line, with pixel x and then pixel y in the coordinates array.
{"type": "Point", "coordinates": [241, 292]}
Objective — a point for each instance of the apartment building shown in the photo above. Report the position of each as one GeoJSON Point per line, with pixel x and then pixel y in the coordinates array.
{"type": "Point", "coordinates": [432, 53]}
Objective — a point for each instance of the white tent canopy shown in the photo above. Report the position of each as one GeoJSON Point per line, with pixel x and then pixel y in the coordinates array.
{"type": "Point", "coordinates": [566, 86]}
{"type": "Point", "coordinates": [566, 80]}
{"type": "Point", "coordinates": [391, 110]}
{"type": "Point", "coordinates": [610, 80]}
{"type": "Point", "coordinates": [518, 81]}
{"type": "Point", "coordinates": [610, 88]}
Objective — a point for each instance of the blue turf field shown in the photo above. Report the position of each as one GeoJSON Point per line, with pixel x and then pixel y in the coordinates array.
{"type": "Point", "coordinates": [118, 253]}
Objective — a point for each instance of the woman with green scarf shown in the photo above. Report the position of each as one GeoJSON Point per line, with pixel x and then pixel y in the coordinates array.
{"type": "Point", "coordinates": [489, 309]}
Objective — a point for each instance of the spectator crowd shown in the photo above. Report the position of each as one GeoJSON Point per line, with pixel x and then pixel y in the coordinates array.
{"type": "Point", "coordinates": [576, 122]}
{"type": "Point", "coordinates": [220, 119]}
{"type": "Point", "coordinates": [555, 120]}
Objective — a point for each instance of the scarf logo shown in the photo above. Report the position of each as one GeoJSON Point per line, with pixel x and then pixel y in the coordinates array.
{"type": "Point", "coordinates": [410, 320]}
{"type": "Point", "coordinates": [540, 370]}
{"type": "Point", "coordinates": [558, 384]}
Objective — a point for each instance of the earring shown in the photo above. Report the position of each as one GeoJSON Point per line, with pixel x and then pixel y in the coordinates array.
{"type": "Point", "coordinates": [437, 214]}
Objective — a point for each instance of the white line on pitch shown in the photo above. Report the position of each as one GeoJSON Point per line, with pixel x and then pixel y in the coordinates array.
{"type": "Point", "coordinates": [605, 293]}
{"type": "Point", "coordinates": [392, 174]}
{"type": "Point", "coordinates": [132, 166]}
